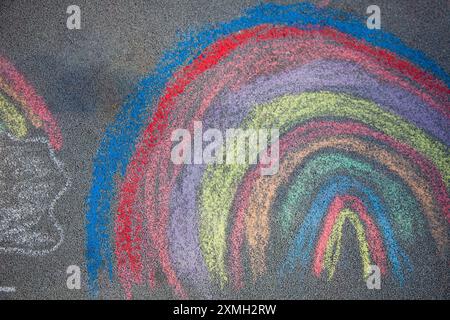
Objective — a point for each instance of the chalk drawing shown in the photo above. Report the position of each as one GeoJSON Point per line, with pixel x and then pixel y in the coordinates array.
{"type": "Point", "coordinates": [363, 122]}
{"type": "Point", "coordinates": [32, 179]}
{"type": "Point", "coordinates": [34, 173]}
{"type": "Point", "coordinates": [15, 87]}
{"type": "Point", "coordinates": [8, 289]}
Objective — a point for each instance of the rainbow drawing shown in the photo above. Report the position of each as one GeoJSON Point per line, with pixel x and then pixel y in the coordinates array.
{"type": "Point", "coordinates": [364, 142]}
{"type": "Point", "coordinates": [21, 107]}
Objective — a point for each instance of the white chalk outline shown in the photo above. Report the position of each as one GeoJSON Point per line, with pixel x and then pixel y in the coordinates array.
{"type": "Point", "coordinates": [56, 224]}
{"type": "Point", "coordinates": [8, 289]}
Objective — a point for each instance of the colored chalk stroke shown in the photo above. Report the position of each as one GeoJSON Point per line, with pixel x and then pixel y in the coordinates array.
{"type": "Point", "coordinates": [363, 145]}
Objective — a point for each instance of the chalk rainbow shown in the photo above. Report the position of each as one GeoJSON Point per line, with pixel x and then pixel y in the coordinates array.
{"type": "Point", "coordinates": [364, 138]}
{"type": "Point", "coordinates": [21, 107]}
